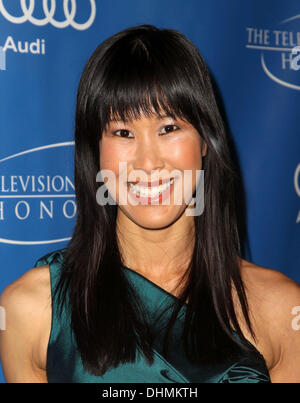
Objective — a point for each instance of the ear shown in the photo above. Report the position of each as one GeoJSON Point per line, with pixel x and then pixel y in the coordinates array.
{"type": "Point", "coordinates": [204, 148]}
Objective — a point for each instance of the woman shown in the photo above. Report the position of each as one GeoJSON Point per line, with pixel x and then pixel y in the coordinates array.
{"type": "Point", "coordinates": [146, 292]}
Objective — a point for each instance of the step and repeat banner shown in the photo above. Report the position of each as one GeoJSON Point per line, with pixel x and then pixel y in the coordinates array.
{"type": "Point", "coordinates": [252, 49]}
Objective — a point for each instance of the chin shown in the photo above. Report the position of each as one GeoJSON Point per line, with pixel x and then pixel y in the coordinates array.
{"type": "Point", "coordinates": [155, 217]}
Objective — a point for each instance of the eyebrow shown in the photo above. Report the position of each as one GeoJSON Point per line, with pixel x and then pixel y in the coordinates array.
{"type": "Point", "coordinates": [166, 116]}
{"type": "Point", "coordinates": [156, 117]}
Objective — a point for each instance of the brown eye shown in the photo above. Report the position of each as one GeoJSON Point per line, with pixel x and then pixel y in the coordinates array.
{"type": "Point", "coordinates": [169, 129]}
{"type": "Point", "coordinates": [123, 133]}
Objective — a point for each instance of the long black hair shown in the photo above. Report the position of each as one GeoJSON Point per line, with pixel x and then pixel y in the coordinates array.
{"type": "Point", "coordinates": [148, 70]}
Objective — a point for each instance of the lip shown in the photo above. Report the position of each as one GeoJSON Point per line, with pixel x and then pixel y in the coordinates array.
{"type": "Point", "coordinates": [148, 200]}
{"type": "Point", "coordinates": [151, 184]}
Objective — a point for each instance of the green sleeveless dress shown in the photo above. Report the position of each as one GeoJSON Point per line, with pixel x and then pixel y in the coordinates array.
{"type": "Point", "coordinates": [64, 361]}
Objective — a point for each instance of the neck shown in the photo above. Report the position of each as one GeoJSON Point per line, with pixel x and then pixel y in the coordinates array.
{"type": "Point", "coordinates": [161, 255]}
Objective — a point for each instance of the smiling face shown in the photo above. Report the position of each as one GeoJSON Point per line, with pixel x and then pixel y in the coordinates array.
{"type": "Point", "coordinates": [158, 147]}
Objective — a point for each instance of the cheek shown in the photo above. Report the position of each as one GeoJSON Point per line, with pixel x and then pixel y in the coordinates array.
{"type": "Point", "coordinates": [109, 156]}
{"type": "Point", "coordinates": [186, 154]}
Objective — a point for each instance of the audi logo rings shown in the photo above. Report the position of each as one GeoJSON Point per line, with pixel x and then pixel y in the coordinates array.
{"type": "Point", "coordinates": [49, 14]}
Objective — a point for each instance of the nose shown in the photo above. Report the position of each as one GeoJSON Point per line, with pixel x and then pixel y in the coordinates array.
{"type": "Point", "coordinates": [148, 156]}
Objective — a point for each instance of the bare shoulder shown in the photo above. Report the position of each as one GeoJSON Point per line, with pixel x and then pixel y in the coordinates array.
{"type": "Point", "coordinates": [269, 286]}
{"type": "Point", "coordinates": [274, 302]}
{"type": "Point", "coordinates": [27, 295]}
{"type": "Point", "coordinates": [23, 343]}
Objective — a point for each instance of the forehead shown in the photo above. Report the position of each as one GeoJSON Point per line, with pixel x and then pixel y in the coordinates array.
{"type": "Point", "coordinates": [129, 111]}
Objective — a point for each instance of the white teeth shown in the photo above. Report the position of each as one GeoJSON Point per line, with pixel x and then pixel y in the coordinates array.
{"type": "Point", "coordinates": [149, 192]}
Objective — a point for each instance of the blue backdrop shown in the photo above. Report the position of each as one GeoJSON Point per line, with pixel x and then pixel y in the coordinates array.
{"type": "Point", "coordinates": [248, 47]}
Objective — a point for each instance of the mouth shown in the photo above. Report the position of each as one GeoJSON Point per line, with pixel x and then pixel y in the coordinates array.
{"type": "Point", "coordinates": [152, 184]}
{"type": "Point", "coordinates": [157, 190]}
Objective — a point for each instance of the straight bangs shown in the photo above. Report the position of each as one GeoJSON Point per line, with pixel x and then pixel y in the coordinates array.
{"type": "Point", "coordinates": [149, 77]}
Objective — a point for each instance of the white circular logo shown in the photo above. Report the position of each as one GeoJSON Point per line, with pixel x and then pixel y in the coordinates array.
{"type": "Point", "coordinates": [70, 15]}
